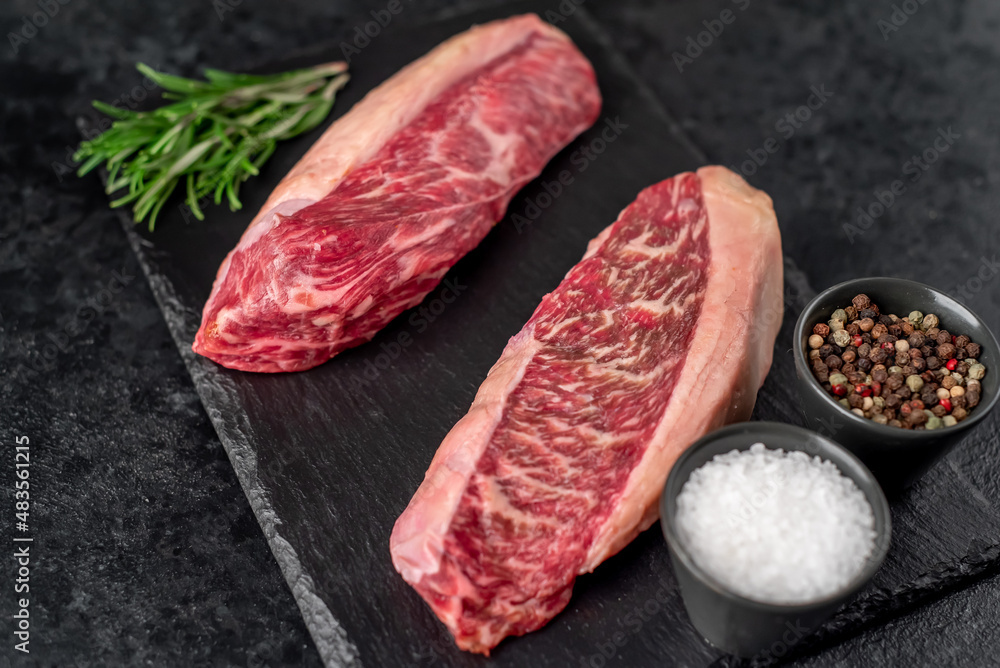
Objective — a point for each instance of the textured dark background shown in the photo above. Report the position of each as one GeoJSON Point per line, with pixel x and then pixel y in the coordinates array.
{"type": "Point", "coordinates": [147, 552]}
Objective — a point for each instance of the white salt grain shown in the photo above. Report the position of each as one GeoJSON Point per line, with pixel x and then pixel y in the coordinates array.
{"type": "Point", "coordinates": [775, 526]}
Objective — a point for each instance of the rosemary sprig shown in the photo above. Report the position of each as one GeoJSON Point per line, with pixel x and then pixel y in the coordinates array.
{"type": "Point", "coordinates": [213, 137]}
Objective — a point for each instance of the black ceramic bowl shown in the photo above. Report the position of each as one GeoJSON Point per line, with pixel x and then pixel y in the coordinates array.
{"type": "Point", "coordinates": [732, 622]}
{"type": "Point", "coordinates": [896, 456]}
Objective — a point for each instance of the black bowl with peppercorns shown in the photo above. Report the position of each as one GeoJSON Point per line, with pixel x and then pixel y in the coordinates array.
{"type": "Point", "coordinates": [896, 371]}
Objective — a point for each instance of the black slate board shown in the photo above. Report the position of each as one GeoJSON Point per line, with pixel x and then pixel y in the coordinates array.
{"type": "Point", "coordinates": [330, 457]}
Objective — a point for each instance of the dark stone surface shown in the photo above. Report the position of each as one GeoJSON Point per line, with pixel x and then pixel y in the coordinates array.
{"type": "Point", "coordinates": [147, 550]}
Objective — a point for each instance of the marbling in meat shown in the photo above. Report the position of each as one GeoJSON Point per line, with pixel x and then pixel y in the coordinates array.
{"type": "Point", "coordinates": [394, 193]}
{"type": "Point", "coordinates": [661, 333]}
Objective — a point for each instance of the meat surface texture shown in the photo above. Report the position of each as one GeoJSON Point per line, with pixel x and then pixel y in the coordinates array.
{"type": "Point", "coordinates": [395, 193]}
{"type": "Point", "coordinates": [663, 332]}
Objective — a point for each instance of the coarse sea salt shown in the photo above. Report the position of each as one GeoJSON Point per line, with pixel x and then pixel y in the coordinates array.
{"type": "Point", "coordinates": [775, 526]}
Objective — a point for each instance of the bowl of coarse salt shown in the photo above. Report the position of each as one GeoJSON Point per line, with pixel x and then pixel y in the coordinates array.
{"type": "Point", "coordinates": [771, 529]}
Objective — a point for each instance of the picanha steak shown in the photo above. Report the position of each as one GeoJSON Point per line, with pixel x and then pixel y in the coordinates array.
{"type": "Point", "coordinates": [663, 332]}
{"type": "Point", "coordinates": [394, 193]}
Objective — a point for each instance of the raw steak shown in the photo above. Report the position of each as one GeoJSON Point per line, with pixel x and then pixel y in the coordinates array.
{"type": "Point", "coordinates": [663, 332]}
{"type": "Point", "coordinates": [394, 193]}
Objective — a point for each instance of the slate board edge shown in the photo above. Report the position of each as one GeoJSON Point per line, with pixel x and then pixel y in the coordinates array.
{"type": "Point", "coordinates": [334, 647]}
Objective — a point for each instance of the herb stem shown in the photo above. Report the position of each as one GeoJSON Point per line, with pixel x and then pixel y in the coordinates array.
{"type": "Point", "coordinates": [214, 135]}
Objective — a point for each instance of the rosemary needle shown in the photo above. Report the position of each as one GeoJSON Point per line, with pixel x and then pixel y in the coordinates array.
{"type": "Point", "coordinates": [213, 136]}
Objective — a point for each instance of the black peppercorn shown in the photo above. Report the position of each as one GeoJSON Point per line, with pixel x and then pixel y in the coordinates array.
{"type": "Point", "coordinates": [946, 351]}
{"type": "Point", "coordinates": [865, 364]}
{"type": "Point", "coordinates": [962, 340]}
{"type": "Point", "coordinates": [973, 350]}
{"type": "Point", "coordinates": [933, 363]}
{"type": "Point", "coordinates": [928, 396]}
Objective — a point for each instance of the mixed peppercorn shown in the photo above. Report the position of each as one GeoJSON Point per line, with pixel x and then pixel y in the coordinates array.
{"type": "Point", "coordinates": [902, 372]}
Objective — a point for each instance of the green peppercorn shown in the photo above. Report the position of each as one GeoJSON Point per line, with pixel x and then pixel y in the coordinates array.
{"type": "Point", "coordinates": [934, 422]}
{"type": "Point", "coordinates": [929, 321]}
{"type": "Point", "coordinates": [837, 379]}
{"type": "Point", "coordinates": [915, 383]}
{"type": "Point", "coordinates": [835, 325]}
{"type": "Point", "coordinates": [841, 338]}
{"type": "Point", "coordinates": [840, 314]}
{"type": "Point", "coordinates": [915, 317]}
{"type": "Point", "coordinates": [977, 371]}
{"type": "Point", "coordinates": [948, 421]}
